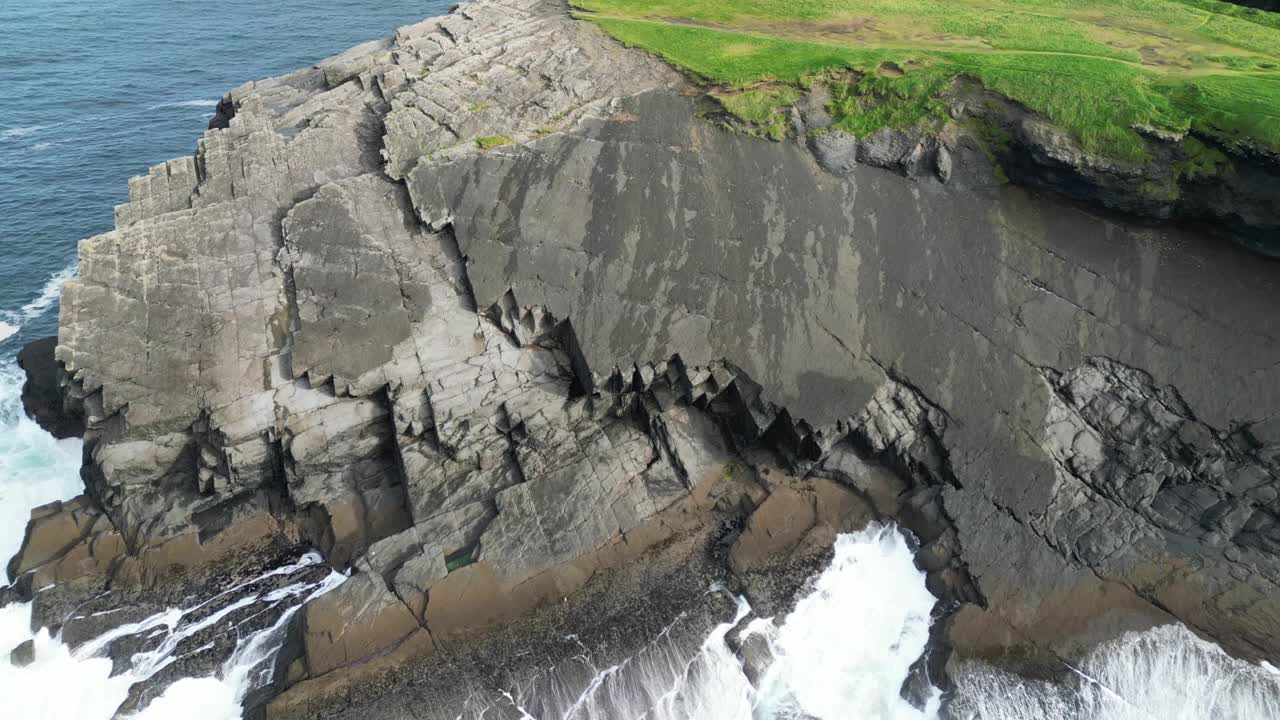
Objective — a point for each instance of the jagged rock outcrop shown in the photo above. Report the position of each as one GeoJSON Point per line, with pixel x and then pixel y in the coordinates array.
{"type": "Point", "coordinates": [491, 316]}
{"type": "Point", "coordinates": [41, 395]}
{"type": "Point", "coordinates": [991, 140]}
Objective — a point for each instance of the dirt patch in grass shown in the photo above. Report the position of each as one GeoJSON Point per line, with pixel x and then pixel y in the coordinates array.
{"type": "Point", "coordinates": [1151, 56]}
{"type": "Point", "coordinates": [854, 26]}
{"type": "Point", "coordinates": [890, 69]}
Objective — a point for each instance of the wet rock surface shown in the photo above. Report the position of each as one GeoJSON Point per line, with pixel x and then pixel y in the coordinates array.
{"type": "Point", "coordinates": [41, 394]}
{"type": "Point", "coordinates": [23, 655]}
{"type": "Point", "coordinates": [563, 383]}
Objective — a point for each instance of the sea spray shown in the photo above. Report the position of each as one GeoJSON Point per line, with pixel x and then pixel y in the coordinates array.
{"type": "Point", "coordinates": [65, 684]}
{"type": "Point", "coordinates": [249, 667]}
{"type": "Point", "coordinates": [846, 648]}
{"type": "Point", "coordinates": [12, 321]}
{"type": "Point", "coordinates": [1166, 673]}
{"type": "Point", "coordinates": [58, 685]}
{"type": "Point", "coordinates": [851, 641]}
{"type": "Point", "coordinates": [35, 468]}
{"type": "Point", "coordinates": [844, 651]}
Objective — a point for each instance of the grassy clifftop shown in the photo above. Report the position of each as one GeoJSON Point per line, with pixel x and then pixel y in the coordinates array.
{"type": "Point", "coordinates": [1101, 69]}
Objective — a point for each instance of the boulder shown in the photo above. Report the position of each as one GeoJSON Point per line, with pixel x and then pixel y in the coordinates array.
{"type": "Point", "coordinates": [359, 619]}
{"type": "Point", "coordinates": [42, 396]}
{"type": "Point", "coordinates": [23, 655]}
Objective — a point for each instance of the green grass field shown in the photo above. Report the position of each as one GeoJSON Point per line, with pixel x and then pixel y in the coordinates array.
{"type": "Point", "coordinates": [1097, 68]}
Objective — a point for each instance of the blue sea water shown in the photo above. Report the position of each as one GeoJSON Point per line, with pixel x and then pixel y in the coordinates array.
{"type": "Point", "coordinates": [91, 93]}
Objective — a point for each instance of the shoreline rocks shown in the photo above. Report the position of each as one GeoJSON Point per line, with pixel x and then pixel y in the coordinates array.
{"type": "Point", "coordinates": [42, 397]}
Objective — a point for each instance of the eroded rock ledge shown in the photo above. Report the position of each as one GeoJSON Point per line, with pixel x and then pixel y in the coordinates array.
{"type": "Point", "coordinates": [628, 344]}
{"type": "Point", "coordinates": [991, 140]}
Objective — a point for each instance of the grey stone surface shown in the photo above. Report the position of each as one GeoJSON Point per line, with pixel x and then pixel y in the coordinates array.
{"type": "Point", "coordinates": [23, 655]}
{"type": "Point", "coordinates": [670, 236]}
{"type": "Point", "coordinates": [272, 294]}
{"type": "Point", "coordinates": [835, 150]}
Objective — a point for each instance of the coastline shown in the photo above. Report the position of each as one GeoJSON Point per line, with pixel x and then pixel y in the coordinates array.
{"type": "Point", "coordinates": [439, 343]}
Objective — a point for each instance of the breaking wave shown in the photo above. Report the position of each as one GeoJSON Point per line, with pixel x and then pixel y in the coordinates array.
{"type": "Point", "coordinates": [843, 652]}
{"type": "Point", "coordinates": [65, 684]}
{"type": "Point", "coordinates": [11, 321]}
{"type": "Point", "coordinates": [846, 650]}
{"type": "Point", "coordinates": [34, 467]}
{"type": "Point", "coordinates": [1166, 673]}
{"type": "Point", "coordinates": [186, 104]}
{"type": "Point", "coordinates": [48, 294]}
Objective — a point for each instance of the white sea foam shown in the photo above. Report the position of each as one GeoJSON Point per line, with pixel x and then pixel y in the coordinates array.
{"type": "Point", "coordinates": [20, 132]}
{"type": "Point", "coordinates": [58, 685]}
{"type": "Point", "coordinates": [851, 642]}
{"type": "Point", "coordinates": [66, 685]}
{"type": "Point", "coordinates": [187, 104]}
{"type": "Point", "coordinates": [11, 321]}
{"type": "Point", "coordinates": [844, 652]}
{"type": "Point", "coordinates": [34, 467]}
{"type": "Point", "coordinates": [1166, 673]}
{"type": "Point", "coordinates": [48, 294]}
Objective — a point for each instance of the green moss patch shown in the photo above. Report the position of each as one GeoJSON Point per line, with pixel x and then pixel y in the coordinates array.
{"type": "Point", "coordinates": [489, 142]}
{"type": "Point", "coordinates": [763, 109]}
{"type": "Point", "coordinates": [460, 559]}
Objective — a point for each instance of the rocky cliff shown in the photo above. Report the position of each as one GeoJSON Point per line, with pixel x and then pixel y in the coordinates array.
{"type": "Point", "coordinates": [493, 315]}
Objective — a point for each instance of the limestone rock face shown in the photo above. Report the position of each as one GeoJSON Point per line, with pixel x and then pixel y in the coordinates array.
{"type": "Point", "coordinates": [279, 311]}
{"type": "Point", "coordinates": [362, 617]}
{"type": "Point", "coordinates": [482, 381]}
{"type": "Point", "coordinates": [936, 324]}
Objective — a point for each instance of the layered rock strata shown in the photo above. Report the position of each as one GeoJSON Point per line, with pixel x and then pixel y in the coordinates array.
{"type": "Point", "coordinates": [991, 140]}
{"type": "Point", "coordinates": [491, 315]}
